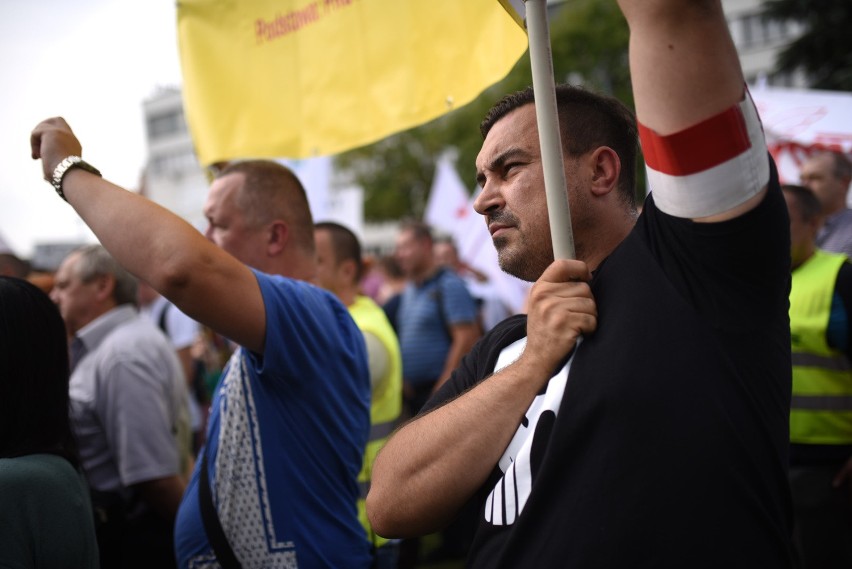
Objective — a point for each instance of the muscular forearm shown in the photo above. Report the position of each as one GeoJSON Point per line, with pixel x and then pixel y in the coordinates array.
{"type": "Point", "coordinates": [435, 463]}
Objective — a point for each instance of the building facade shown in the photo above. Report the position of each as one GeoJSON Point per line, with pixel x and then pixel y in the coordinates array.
{"type": "Point", "coordinates": [758, 43]}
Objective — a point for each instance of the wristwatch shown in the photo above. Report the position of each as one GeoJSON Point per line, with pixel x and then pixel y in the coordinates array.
{"type": "Point", "coordinates": [67, 164]}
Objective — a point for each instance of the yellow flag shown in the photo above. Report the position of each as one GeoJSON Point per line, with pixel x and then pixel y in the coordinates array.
{"type": "Point", "coordinates": [301, 78]}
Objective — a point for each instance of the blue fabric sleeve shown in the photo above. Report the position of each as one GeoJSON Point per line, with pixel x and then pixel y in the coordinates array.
{"type": "Point", "coordinates": [458, 305]}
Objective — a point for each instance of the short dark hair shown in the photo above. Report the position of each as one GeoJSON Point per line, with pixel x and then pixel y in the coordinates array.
{"type": "Point", "coordinates": [419, 229]}
{"type": "Point", "coordinates": [345, 243]}
{"type": "Point", "coordinates": [34, 402]}
{"type": "Point", "coordinates": [587, 120]}
{"type": "Point", "coordinates": [271, 190]}
{"type": "Point", "coordinates": [809, 205]}
{"type": "Point", "coordinates": [390, 266]}
{"type": "Point", "coordinates": [13, 266]}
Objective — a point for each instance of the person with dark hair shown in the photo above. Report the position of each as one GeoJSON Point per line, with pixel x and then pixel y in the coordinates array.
{"type": "Point", "coordinates": [821, 408]}
{"type": "Point", "coordinates": [437, 321]}
{"type": "Point", "coordinates": [638, 415]}
{"type": "Point", "coordinates": [339, 270]}
{"type": "Point", "coordinates": [276, 484]}
{"type": "Point", "coordinates": [45, 513]}
{"type": "Point", "coordinates": [129, 410]}
{"type": "Point", "coordinates": [828, 175]}
{"type": "Point", "coordinates": [436, 317]}
{"type": "Point", "coordinates": [13, 266]}
{"type": "Point", "coordinates": [393, 280]}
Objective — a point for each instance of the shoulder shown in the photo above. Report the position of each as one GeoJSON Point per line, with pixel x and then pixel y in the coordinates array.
{"type": "Point", "coordinates": [448, 278]}
{"type": "Point", "coordinates": [33, 471]}
{"type": "Point", "coordinates": [365, 308]}
{"type": "Point", "coordinates": [453, 287]}
{"type": "Point", "coordinates": [488, 349]}
{"type": "Point", "coordinates": [838, 232]}
{"type": "Point", "coordinates": [133, 334]}
{"type": "Point", "coordinates": [294, 294]}
{"type": "Point", "coordinates": [298, 309]}
{"type": "Point", "coordinates": [136, 347]}
{"type": "Point", "coordinates": [843, 218]}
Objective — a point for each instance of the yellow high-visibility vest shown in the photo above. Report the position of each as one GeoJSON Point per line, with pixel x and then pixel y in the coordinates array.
{"type": "Point", "coordinates": [821, 409]}
{"type": "Point", "coordinates": [386, 398]}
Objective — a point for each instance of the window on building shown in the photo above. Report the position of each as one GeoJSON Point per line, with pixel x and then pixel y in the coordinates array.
{"type": "Point", "coordinates": [175, 163]}
{"type": "Point", "coordinates": [755, 31]}
{"type": "Point", "coordinates": [165, 124]}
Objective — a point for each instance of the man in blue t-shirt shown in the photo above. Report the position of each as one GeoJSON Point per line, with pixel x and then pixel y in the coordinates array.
{"type": "Point", "coordinates": [436, 318]}
{"type": "Point", "coordinates": [437, 323]}
{"type": "Point", "coordinates": [291, 415]}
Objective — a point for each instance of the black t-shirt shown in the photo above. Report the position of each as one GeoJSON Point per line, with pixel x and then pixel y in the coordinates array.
{"type": "Point", "coordinates": [669, 448]}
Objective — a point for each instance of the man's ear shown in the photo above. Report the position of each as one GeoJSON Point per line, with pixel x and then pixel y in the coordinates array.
{"type": "Point", "coordinates": [104, 286]}
{"type": "Point", "coordinates": [814, 224]}
{"type": "Point", "coordinates": [279, 234]}
{"type": "Point", "coordinates": [606, 169]}
{"type": "Point", "coordinates": [348, 269]}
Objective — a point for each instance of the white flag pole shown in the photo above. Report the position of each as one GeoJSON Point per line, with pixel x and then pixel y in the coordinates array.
{"type": "Point", "coordinates": [544, 89]}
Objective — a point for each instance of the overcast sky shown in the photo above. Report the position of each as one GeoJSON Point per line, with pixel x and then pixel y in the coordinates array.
{"type": "Point", "coordinates": [93, 62]}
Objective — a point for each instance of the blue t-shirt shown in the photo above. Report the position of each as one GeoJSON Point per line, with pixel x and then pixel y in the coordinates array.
{"type": "Point", "coordinates": [424, 315]}
{"type": "Point", "coordinates": [286, 438]}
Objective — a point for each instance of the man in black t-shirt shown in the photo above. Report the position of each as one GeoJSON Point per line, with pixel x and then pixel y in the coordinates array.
{"type": "Point", "coordinates": [661, 440]}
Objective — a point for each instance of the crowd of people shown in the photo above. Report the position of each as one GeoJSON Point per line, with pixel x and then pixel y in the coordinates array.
{"type": "Point", "coordinates": [679, 394]}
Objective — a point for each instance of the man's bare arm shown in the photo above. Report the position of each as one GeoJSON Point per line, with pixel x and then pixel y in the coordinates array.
{"type": "Point", "coordinates": [464, 336]}
{"type": "Point", "coordinates": [434, 464]}
{"type": "Point", "coordinates": [684, 68]}
{"type": "Point", "coordinates": [159, 247]}
{"type": "Point", "coordinates": [683, 63]}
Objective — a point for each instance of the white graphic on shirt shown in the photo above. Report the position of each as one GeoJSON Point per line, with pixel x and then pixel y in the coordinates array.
{"type": "Point", "coordinates": [239, 486]}
{"type": "Point", "coordinates": [509, 496]}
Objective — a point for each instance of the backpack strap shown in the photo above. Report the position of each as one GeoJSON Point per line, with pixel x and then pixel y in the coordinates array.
{"type": "Point", "coordinates": [212, 527]}
{"type": "Point", "coordinates": [439, 299]}
{"type": "Point", "coordinates": [161, 321]}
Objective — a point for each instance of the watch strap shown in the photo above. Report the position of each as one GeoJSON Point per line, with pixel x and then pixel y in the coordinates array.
{"type": "Point", "coordinates": [67, 164]}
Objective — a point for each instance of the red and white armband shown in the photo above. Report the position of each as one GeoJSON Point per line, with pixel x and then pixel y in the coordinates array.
{"type": "Point", "coordinates": [708, 168]}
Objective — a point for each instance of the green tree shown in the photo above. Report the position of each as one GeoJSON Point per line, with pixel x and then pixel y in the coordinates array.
{"type": "Point", "coordinates": [589, 45]}
{"type": "Point", "coordinates": [824, 50]}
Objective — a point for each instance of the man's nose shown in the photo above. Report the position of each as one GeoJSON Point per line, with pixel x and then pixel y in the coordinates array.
{"type": "Point", "coordinates": [489, 199]}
